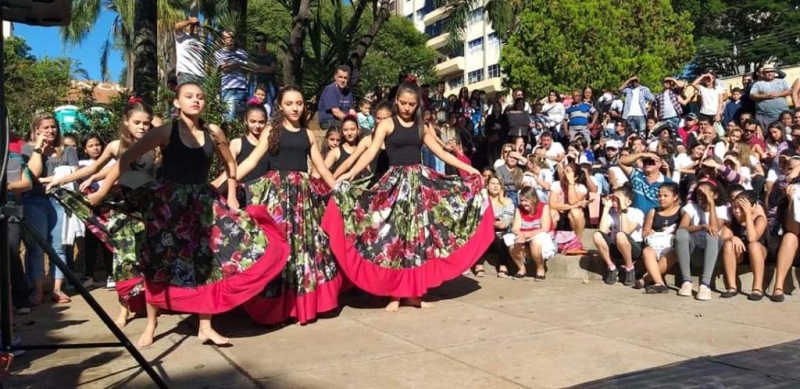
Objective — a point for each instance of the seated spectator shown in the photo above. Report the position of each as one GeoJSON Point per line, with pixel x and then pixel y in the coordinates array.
{"type": "Point", "coordinates": [620, 233]}
{"type": "Point", "coordinates": [700, 228]}
{"type": "Point", "coordinates": [644, 181]}
{"type": "Point", "coordinates": [538, 176]}
{"type": "Point", "coordinates": [507, 148]}
{"type": "Point", "coordinates": [503, 216]}
{"type": "Point", "coordinates": [746, 238]}
{"type": "Point", "coordinates": [365, 119]}
{"type": "Point", "coordinates": [511, 175]}
{"type": "Point", "coordinates": [776, 141]}
{"type": "Point", "coordinates": [603, 163]}
{"type": "Point", "coordinates": [659, 229]}
{"type": "Point", "coordinates": [553, 151]}
{"type": "Point", "coordinates": [569, 197]}
{"type": "Point", "coordinates": [532, 235]}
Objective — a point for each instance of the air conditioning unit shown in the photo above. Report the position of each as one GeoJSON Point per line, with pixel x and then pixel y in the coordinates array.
{"type": "Point", "coordinates": [37, 12]}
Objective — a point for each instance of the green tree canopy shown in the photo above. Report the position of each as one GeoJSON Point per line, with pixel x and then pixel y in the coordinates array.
{"type": "Point", "coordinates": [32, 84]}
{"type": "Point", "coordinates": [398, 46]}
{"type": "Point", "coordinates": [573, 43]}
{"type": "Point", "coordinates": [738, 36]}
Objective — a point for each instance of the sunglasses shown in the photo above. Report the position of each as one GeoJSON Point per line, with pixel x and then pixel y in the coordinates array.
{"type": "Point", "coordinates": [749, 131]}
{"type": "Point", "coordinates": [259, 40]}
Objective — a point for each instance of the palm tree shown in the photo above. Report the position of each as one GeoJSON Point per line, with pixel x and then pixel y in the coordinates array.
{"type": "Point", "coordinates": [84, 17]}
{"type": "Point", "coordinates": [145, 77]}
{"type": "Point", "coordinates": [502, 14]}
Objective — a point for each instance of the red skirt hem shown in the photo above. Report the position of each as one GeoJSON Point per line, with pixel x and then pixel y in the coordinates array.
{"type": "Point", "coordinates": [135, 304]}
{"type": "Point", "coordinates": [305, 308]}
{"type": "Point", "coordinates": [407, 282]}
{"type": "Point", "coordinates": [226, 294]}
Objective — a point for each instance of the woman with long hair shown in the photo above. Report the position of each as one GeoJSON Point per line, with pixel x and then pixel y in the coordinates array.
{"type": "Point", "coordinates": [45, 153]}
{"type": "Point", "coordinates": [351, 136]}
{"type": "Point", "coordinates": [414, 228]}
{"type": "Point", "coordinates": [122, 234]}
{"type": "Point", "coordinates": [201, 254]}
{"type": "Point", "coordinates": [503, 209]}
{"type": "Point", "coordinates": [310, 282]}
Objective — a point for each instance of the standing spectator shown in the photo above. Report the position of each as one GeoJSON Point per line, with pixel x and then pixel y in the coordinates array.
{"type": "Point", "coordinates": [336, 100]}
{"type": "Point", "coordinates": [636, 98]}
{"type": "Point", "coordinates": [554, 109]}
{"type": "Point", "coordinates": [769, 93]}
{"type": "Point", "coordinates": [748, 105]}
{"type": "Point", "coordinates": [439, 103]}
{"type": "Point", "coordinates": [232, 62]}
{"type": "Point", "coordinates": [711, 97]}
{"type": "Point", "coordinates": [668, 103]}
{"type": "Point", "coordinates": [733, 107]}
{"type": "Point", "coordinates": [266, 64]}
{"type": "Point", "coordinates": [189, 52]}
{"type": "Point", "coordinates": [577, 122]}
{"type": "Point", "coordinates": [519, 94]}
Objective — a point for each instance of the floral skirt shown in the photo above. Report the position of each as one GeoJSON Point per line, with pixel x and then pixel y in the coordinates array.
{"type": "Point", "coordinates": [411, 231]}
{"type": "Point", "coordinates": [197, 255]}
{"type": "Point", "coordinates": [122, 232]}
{"type": "Point", "coordinates": [310, 282]}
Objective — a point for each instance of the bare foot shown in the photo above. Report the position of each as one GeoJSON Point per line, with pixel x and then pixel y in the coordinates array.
{"type": "Point", "coordinates": [146, 339]}
{"type": "Point", "coordinates": [393, 306]}
{"type": "Point", "coordinates": [122, 318]}
{"type": "Point", "coordinates": [417, 302]}
{"type": "Point", "coordinates": [208, 333]}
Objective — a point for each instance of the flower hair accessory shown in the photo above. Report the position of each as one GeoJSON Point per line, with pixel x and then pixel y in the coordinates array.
{"type": "Point", "coordinates": [254, 101]}
{"type": "Point", "coordinates": [134, 100]}
{"type": "Point", "coordinates": [411, 78]}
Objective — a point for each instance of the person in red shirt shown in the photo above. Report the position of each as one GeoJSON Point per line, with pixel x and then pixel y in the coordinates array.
{"type": "Point", "coordinates": [690, 126]}
{"type": "Point", "coordinates": [15, 144]}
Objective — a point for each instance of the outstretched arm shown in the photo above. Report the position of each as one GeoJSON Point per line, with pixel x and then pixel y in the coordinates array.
{"type": "Point", "coordinates": [109, 153]}
{"type": "Point", "coordinates": [429, 139]}
{"type": "Point", "coordinates": [224, 152]}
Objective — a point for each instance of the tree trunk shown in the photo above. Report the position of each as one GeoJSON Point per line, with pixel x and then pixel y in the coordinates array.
{"type": "Point", "coordinates": [145, 60]}
{"type": "Point", "coordinates": [381, 11]}
{"type": "Point", "coordinates": [293, 58]}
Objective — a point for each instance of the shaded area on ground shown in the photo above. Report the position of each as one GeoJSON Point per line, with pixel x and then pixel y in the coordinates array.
{"type": "Point", "coordinates": [768, 367]}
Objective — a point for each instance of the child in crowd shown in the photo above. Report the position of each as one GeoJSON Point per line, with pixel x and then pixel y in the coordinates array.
{"type": "Point", "coordinates": [620, 230]}
{"type": "Point", "coordinates": [700, 227]}
{"type": "Point", "coordinates": [260, 98]}
{"type": "Point", "coordinates": [365, 120]}
{"type": "Point", "coordinates": [531, 234]}
{"type": "Point", "coordinates": [659, 235]}
{"type": "Point", "coordinates": [748, 240]}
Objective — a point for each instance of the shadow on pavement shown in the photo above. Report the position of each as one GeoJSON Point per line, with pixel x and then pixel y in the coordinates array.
{"type": "Point", "coordinates": [767, 368]}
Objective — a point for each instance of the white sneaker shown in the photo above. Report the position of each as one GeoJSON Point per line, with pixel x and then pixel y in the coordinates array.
{"type": "Point", "coordinates": [686, 289]}
{"type": "Point", "coordinates": [704, 294]}
{"type": "Point", "coordinates": [110, 284]}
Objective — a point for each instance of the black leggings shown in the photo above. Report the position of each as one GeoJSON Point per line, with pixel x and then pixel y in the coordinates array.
{"type": "Point", "coordinates": [19, 284]}
{"type": "Point", "coordinates": [499, 246]}
{"type": "Point", "coordinates": [93, 249]}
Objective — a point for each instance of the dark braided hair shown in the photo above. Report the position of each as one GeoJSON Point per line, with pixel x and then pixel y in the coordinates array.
{"type": "Point", "coordinates": [274, 139]}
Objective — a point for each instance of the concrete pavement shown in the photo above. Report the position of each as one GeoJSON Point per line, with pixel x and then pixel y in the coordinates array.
{"type": "Point", "coordinates": [483, 333]}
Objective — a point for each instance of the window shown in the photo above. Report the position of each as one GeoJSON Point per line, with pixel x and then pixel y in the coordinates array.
{"type": "Point", "coordinates": [455, 82]}
{"type": "Point", "coordinates": [475, 45]}
{"type": "Point", "coordinates": [494, 41]}
{"type": "Point", "coordinates": [475, 76]}
{"type": "Point", "coordinates": [420, 15]}
{"type": "Point", "coordinates": [476, 16]}
{"type": "Point", "coordinates": [494, 71]}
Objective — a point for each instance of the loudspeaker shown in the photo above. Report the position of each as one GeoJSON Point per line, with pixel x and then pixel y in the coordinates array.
{"type": "Point", "coordinates": [38, 12]}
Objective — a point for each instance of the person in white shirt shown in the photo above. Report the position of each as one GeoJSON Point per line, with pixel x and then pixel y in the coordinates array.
{"type": "Point", "coordinates": [189, 52]}
{"type": "Point", "coordinates": [620, 232]}
{"type": "Point", "coordinates": [700, 228]}
{"type": "Point", "coordinates": [554, 152]}
{"type": "Point", "coordinates": [712, 98]}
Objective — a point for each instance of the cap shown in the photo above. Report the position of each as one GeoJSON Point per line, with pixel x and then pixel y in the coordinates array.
{"type": "Point", "coordinates": [691, 116]}
{"type": "Point", "coordinates": [614, 144]}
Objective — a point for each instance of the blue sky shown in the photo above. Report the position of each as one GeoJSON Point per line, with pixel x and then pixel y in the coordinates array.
{"type": "Point", "coordinates": [46, 42]}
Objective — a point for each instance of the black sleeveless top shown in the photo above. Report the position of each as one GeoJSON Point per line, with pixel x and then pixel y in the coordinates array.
{"type": "Point", "coordinates": [740, 231]}
{"type": "Point", "coordinates": [261, 167]}
{"type": "Point", "coordinates": [403, 145]}
{"type": "Point", "coordinates": [343, 155]}
{"type": "Point", "coordinates": [187, 165]}
{"type": "Point", "coordinates": [293, 153]}
{"type": "Point", "coordinates": [662, 222]}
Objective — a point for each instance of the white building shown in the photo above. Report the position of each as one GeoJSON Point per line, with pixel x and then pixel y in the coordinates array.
{"type": "Point", "coordinates": [476, 64]}
{"type": "Point", "coordinates": [8, 29]}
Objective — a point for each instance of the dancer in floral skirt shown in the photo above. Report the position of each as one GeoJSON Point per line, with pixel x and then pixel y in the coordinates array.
{"type": "Point", "coordinates": [123, 235]}
{"type": "Point", "coordinates": [310, 282]}
{"type": "Point", "coordinates": [201, 255]}
{"type": "Point", "coordinates": [415, 228]}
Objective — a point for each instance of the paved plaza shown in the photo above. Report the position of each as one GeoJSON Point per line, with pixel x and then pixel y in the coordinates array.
{"type": "Point", "coordinates": [483, 333]}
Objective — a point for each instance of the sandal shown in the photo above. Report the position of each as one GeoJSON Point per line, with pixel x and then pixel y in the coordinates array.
{"type": "Point", "coordinates": [777, 298]}
{"type": "Point", "coordinates": [539, 278]}
{"type": "Point", "coordinates": [60, 298]}
{"type": "Point", "coordinates": [656, 289]}
{"type": "Point", "coordinates": [639, 284]}
{"type": "Point", "coordinates": [518, 276]}
{"type": "Point", "coordinates": [502, 274]}
{"type": "Point", "coordinates": [756, 295]}
{"type": "Point", "coordinates": [480, 273]}
{"type": "Point", "coordinates": [729, 293]}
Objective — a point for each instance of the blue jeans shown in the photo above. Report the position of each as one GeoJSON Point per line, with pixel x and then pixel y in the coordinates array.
{"type": "Point", "coordinates": [233, 100]}
{"type": "Point", "coordinates": [428, 159]}
{"type": "Point", "coordinates": [637, 124]}
{"type": "Point", "coordinates": [47, 217]}
{"type": "Point", "coordinates": [514, 196]}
